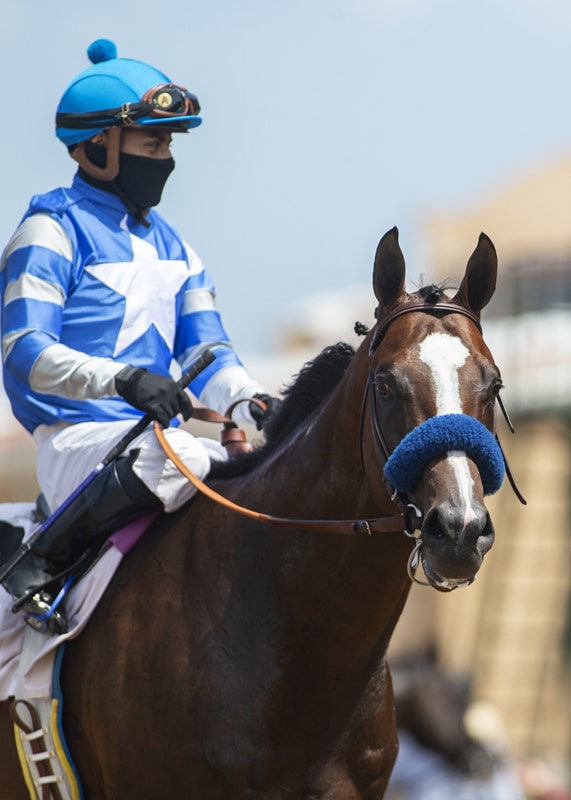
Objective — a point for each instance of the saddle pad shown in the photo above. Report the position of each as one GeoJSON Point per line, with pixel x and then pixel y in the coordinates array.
{"type": "Point", "coordinates": [31, 678]}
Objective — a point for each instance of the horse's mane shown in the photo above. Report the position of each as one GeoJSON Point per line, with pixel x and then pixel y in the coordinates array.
{"type": "Point", "coordinates": [300, 398]}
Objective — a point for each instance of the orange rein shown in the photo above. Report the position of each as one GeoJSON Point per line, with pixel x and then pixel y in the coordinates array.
{"type": "Point", "coordinates": [355, 526]}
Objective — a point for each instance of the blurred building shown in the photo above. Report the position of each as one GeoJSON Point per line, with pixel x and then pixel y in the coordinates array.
{"type": "Point", "coordinates": [528, 322]}
{"type": "Point", "coordinates": [17, 452]}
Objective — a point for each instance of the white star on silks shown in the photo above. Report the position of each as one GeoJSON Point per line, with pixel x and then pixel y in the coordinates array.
{"type": "Point", "coordinates": [149, 286]}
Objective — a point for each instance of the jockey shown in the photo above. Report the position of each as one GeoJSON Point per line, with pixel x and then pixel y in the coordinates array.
{"type": "Point", "coordinates": [100, 295]}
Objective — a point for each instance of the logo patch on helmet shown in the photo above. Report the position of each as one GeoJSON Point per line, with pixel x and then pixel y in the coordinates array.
{"type": "Point", "coordinates": [164, 100]}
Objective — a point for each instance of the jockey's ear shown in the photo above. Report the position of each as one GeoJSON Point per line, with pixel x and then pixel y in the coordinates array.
{"type": "Point", "coordinates": [389, 271]}
{"type": "Point", "coordinates": [479, 282]}
{"type": "Point", "coordinates": [100, 139]}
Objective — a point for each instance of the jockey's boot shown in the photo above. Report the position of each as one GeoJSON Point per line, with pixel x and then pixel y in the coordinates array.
{"type": "Point", "coordinates": [113, 498]}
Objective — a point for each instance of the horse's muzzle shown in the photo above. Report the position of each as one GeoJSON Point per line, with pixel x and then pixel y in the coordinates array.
{"type": "Point", "coordinates": [454, 546]}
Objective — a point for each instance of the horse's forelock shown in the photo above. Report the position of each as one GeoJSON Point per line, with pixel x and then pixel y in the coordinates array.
{"type": "Point", "coordinates": [434, 292]}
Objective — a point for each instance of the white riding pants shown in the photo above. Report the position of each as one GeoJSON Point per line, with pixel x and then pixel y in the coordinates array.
{"type": "Point", "coordinates": [67, 454]}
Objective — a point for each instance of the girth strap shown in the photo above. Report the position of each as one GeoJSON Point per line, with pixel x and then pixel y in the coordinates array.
{"type": "Point", "coordinates": [34, 733]}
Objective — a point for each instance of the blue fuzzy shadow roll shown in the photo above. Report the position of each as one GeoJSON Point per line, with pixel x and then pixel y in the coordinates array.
{"type": "Point", "coordinates": [439, 435]}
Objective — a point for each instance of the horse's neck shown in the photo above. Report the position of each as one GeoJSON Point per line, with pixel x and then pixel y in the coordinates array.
{"type": "Point", "coordinates": [319, 471]}
{"type": "Point", "coordinates": [330, 580]}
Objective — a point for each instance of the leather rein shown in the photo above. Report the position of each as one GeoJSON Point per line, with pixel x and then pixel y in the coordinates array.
{"type": "Point", "coordinates": [409, 520]}
{"type": "Point", "coordinates": [343, 526]}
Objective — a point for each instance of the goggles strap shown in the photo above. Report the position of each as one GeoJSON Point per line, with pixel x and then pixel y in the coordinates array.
{"type": "Point", "coordinates": [111, 169]}
{"type": "Point", "coordinates": [162, 102]}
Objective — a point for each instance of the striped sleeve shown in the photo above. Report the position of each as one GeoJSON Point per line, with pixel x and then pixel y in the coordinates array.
{"type": "Point", "coordinates": [35, 274]}
{"type": "Point", "coordinates": [64, 372]}
{"type": "Point", "coordinates": [200, 327]}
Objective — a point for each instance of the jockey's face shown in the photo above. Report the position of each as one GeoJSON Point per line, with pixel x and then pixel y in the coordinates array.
{"type": "Point", "coordinates": [149, 142]}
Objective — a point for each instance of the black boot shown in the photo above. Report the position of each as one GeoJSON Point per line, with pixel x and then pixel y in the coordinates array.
{"type": "Point", "coordinates": [11, 537]}
{"type": "Point", "coordinates": [113, 498]}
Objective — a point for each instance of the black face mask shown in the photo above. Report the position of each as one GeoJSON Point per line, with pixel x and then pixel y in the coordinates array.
{"type": "Point", "coordinates": [140, 179]}
{"type": "Point", "coordinates": [143, 179]}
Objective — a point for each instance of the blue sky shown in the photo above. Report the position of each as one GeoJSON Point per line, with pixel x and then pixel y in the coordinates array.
{"type": "Point", "coordinates": [326, 122]}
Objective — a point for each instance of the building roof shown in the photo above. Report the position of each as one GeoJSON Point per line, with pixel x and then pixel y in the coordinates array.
{"type": "Point", "coordinates": [526, 216]}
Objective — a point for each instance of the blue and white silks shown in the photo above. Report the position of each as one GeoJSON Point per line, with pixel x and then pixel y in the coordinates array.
{"type": "Point", "coordinates": [86, 290]}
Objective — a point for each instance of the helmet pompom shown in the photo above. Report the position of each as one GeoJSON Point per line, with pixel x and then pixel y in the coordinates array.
{"type": "Point", "coordinates": [101, 50]}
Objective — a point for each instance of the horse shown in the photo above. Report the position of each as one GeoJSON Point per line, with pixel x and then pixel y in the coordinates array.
{"type": "Point", "coordinates": [235, 659]}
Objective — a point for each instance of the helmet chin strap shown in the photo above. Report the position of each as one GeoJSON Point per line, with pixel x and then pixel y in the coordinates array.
{"type": "Point", "coordinates": [110, 171]}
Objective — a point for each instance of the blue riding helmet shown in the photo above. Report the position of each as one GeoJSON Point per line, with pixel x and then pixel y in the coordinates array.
{"type": "Point", "coordinates": [121, 92]}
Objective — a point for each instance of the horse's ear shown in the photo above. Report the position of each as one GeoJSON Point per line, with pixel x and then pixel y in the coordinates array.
{"type": "Point", "coordinates": [389, 270]}
{"type": "Point", "coordinates": [479, 282]}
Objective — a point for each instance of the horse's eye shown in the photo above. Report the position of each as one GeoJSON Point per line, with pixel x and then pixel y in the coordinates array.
{"type": "Point", "coordinates": [496, 386]}
{"type": "Point", "coordinates": [494, 389]}
{"type": "Point", "coordinates": [383, 390]}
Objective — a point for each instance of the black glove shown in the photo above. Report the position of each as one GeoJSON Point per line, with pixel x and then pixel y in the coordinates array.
{"type": "Point", "coordinates": [157, 395]}
{"type": "Point", "coordinates": [261, 415]}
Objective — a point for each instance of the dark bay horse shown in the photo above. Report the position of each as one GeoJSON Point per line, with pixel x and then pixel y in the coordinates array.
{"type": "Point", "coordinates": [233, 660]}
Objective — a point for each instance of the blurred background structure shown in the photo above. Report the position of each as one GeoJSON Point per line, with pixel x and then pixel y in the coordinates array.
{"type": "Point", "coordinates": [510, 630]}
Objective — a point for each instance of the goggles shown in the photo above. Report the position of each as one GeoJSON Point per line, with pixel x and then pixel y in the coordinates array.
{"type": "Point", "coordinates": [158, 105]}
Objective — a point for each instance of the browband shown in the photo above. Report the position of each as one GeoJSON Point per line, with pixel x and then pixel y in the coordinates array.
{"type": "Point", "coordinates": [427, 308]}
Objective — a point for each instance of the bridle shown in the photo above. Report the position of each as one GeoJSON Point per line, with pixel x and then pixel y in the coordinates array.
{"type": "Point", "coordinates": [398, 498]}
{"type": "Point", "coordinates": [408, 509]}
{"type": "Point", "coordinates": [409, 519]}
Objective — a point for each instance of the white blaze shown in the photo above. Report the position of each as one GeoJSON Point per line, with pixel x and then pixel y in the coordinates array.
{"type": "Point", "coordinates": [444, 355]}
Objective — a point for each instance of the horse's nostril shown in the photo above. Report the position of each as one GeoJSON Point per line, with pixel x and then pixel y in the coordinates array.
{"type": "Point", "coordinates": [479, 532]}
{"type": "Point", "coordinates": [486, 537]}
{"type": "Point", "coordinates": [446, 522]}
{"type": "Point", "coordinates": [433, 528]}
